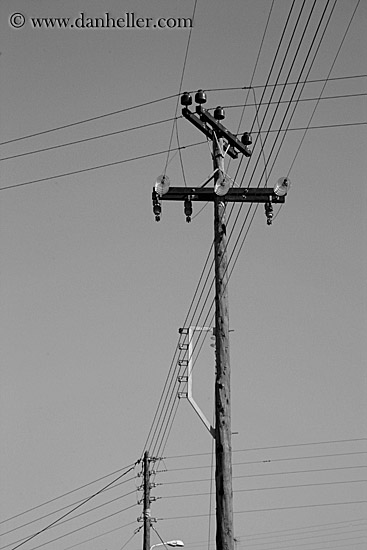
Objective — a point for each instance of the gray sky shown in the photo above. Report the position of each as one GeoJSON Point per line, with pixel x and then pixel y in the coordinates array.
{"type": "Point", "coordinates": [93, 290]}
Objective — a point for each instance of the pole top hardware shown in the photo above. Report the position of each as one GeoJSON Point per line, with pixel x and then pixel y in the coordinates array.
{"type": "Point", "coordinates": [186, 99]}
{"type": "Point", "coordinates": [246, 139]}
{"type": "Point", "coordinates": [200, 97]}
{"type": "Point", "coordinates": [219, 113]}
{"type": "Point", "coordinates": [224, 142]}
{"type": "Point", "coordinates": [210, 125]}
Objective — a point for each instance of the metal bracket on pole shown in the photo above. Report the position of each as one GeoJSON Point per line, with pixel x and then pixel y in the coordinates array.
{"type": "Point", "coordinates": [189, 364]}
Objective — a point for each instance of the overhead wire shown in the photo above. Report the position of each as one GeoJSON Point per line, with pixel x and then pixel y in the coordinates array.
{"type": "Point", "coordinates": [302, 88]}
{"type": "Point", "coordinates": [269, 85]}
{"type": "Point", "coordinates": [255, 210]}
{"type": "Point", "coordinates": [89, 169]}
{"type": "Point", "coordinates": [256, 543]}
{"type": "Point", "coordinates": [67, 494]}
{"type": "Point", "coordinates": [268, 130]}
{"type": "Point", "coordinates": [172, 96]}
{"type": "Point", "coordinates": [278, 487]}
{"type": "Point", "coordinates": [85, 140]}
{"type": "Point", "coordinates": [320, 542]}
{"type": "Point", "coordinates": [180, 85]}
{"type": "Point", "coordinates": [298, 100]}
{"type": "Point", "coordinates": [88, 499]}
{"type": "Point", "coordinates": [90, 119]}
{"type": "Point", "coordinates": [275, 508]}
{"type": "Point", "coordinates": [104, 534]}
{"type": "Point", "coordinates": [286, 446]}
{"type": "Point", "coordinates": [132, 536]}
{"type": "Point", "coordinates": [71, 532]}
{"type": "Point", "coordinates": [272, 460]}
{"type": "Point", "coordinates": [326, 81]}
{"type": "Point", "coordinates": [173, 371]}
{"type": "Point", "coordinates": [69, 518]}
{"type": "Point", "coordinates": [266, 474]}
{"type": "Point", "coordinates": [132, 159]}
{"type": "Point", "coordinates": [311, 528]}
{"type": "Point", "coordinates": [165, 151]}
{"type": "Point", "coordinates": [284, 118]}
{"type": "Point", "coordinates": [170, 142]}
{"type": "Point", "coordinates": [279, 73]}
{"type": "Point", "coordinates": [212, 282]}
{"type": "Point", "coordinates": [171, 414]}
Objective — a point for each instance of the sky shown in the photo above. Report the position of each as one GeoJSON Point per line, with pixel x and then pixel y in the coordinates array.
{"type": "Point", "coordinates": [93, 290]}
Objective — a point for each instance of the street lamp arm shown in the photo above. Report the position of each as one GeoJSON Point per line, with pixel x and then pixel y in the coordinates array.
{"type": "Point", "coordinates": [173, 543]}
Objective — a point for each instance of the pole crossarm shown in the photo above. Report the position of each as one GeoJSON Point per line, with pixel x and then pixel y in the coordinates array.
{"type": "Point", "coordinates": [235, 194]}
{"type": "Point", "coordinates": [221, 131]}
{"type": "Point", "coordinates": [201, 120]}
{"type": "Point", "coordinates": [203, 127]}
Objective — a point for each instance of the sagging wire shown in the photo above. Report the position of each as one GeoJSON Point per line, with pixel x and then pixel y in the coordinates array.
{"type": "Point", "coordinates": [180, 86]}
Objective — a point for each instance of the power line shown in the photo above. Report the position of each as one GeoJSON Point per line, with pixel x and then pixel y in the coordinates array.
{"type": "Point", "coordinates": [276, 508]}
{"type": "Point", "coordinates": [316, 542]}
{"type": "Point", "coordinates": [302, 99]}
{"type": "Point", "coordinates": [306, 129]}
{"type": "Point", "coordinates": [132, 536]}
{"type": "Point", "coordinates": [263, 120]}
{"type": "Point", "coordinates": [313, 528]}
{"type": "Point", "coordinates": [75, 508]}
{"type": "Point", "coordinates": [262, 144]}
{"type": "Point", "coordinates": [309, 529]}
{"type": "Point", "coordinates": [332, 441]}
{"type": "Point", "coordinates": [185, 481]}
{"type": "Point", "coordinates": [147, 155]}
{"type": "Point", "coordinates": [84, 140]}
{"type": "Point", "coordinates": [240, 248]}
{"type": "Point", "coordinates": [74, 172]}
{"type": "Point", "coordinates": [255, 489]}
{"type": "Point", "coordinates": [102, 535]}
{"type": "Point", "coordinates": [68, 519]}
{"type": "Point", "coordinates": [74, 531]}
{"type": "Point", "coordinates": [324, 85]}
{"type": "Point", "coordinates": [269, 461]}
{"type": "Point", "coordinates": [145, 104]}
{"type": "Point", "coordinates": [98, 117]}
{"type": "Point", "coordinates": [180, 87]}
{"type": "Point", "coordinates": [256, 543]}
{"type": "Point", "coordinates": [167, 400]}
{"type": "Point", "coordinates": [276, 84]}
{"type": "Point", "coordinates": [68, 493]}
{"type": "Point", "coordinates": [167, 406]}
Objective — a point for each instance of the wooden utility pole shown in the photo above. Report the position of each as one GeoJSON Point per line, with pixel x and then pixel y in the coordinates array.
{"type": "Point", "coordinates": [222, 193]}
{"type": "Point", "coordinates": [223, 446]}
{"type": "Point", "coordinates": [146, 505]}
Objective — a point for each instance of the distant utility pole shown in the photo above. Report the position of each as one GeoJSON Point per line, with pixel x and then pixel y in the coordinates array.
{"type": "Point", "coordinates": [224, 142]}
{"type": "Point", "coordinates": [146, 517]}
{"type": "Point", "coordinates": [146, 510]}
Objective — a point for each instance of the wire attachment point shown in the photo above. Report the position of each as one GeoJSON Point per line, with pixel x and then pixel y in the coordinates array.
{"type": "Point", "coordinates": [269, 213]}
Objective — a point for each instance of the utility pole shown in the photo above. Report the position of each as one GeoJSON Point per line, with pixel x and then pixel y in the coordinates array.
{"type": "Point", "coordinates": [223, 468]}
{"type": "Point", "coordinates": [223, 142]}
{"type": "Point", "coordinates": [146, 503]}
